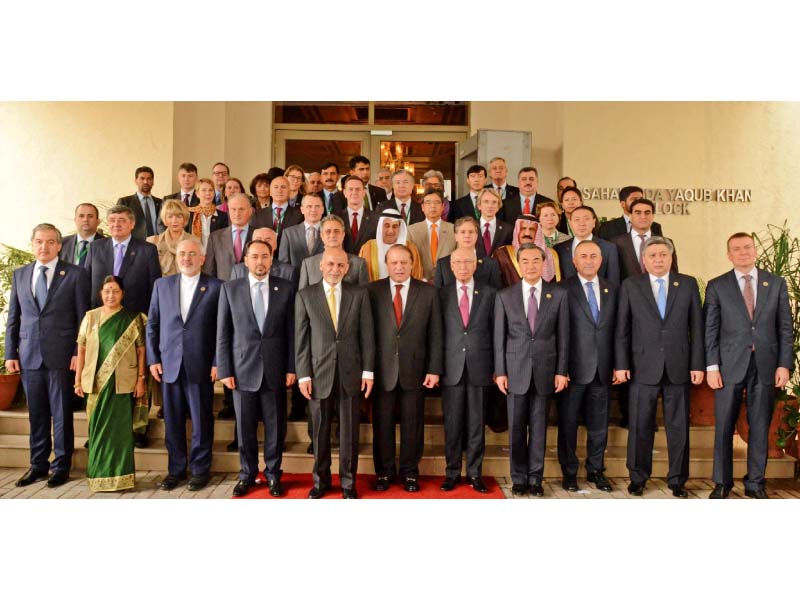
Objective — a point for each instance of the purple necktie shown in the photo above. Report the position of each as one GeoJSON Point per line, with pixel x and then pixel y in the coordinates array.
{"type": "Point", "coordinates": [463, 305]}
{"type": "Point", "coordinates": [533, 310]}
{"type": "Point", "coordinates": [118, 258]}
{"type": "Point", "coordinates": [487, 240]}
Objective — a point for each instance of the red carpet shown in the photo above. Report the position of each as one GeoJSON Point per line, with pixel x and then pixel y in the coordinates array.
{"type": "Point", "coordinates": [296, 486]}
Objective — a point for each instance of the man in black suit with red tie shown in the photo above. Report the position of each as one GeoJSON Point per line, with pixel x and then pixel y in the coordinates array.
{"type": "Point", "coordinates": [360, 223]}
{"type": "Point", "coordinates": [525, 203]}
{"type": "Point", "coordinates": [187, 178]}
{"type": "Point", "coordinates": [373, 196]}
{"type": "Point", "coordinates": [403, 201]}
{"type": "Point", "coordinates": [659, 348]}
{"type": "Point", "coordinates": [749, 346]}
{"type": "Point", "coordinates": [498, 180]}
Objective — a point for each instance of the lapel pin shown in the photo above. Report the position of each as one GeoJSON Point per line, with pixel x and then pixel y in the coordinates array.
{"type": "Point", "coordinates": [480, 261]}
{"type": "Point", "coordinates": [476, 292]}
{"type": "Point", "coordinates": [548, 295]}
{"type": "Point", "coordinates": [62, 273]}
{"type": "Point", "coordinates": [675, 283]}
{"type": "Point", "coordinates": [765, 284]}
{"type": "Point", "coordinates": [275, 288]}
{"type": "Point", "coordinates": [605, 290]}
{"type": "Point", "coordinates": [202, 289]}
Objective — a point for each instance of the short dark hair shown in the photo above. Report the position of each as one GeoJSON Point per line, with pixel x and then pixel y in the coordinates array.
{"type": "Point", "coordinates": [403, 247]}
{"type": "Point", "coordinates": [585, 208]}
{"type": "Point", "coordinates": [119, 209]}
{"type": "Point", "coordinates": [528, 170]}
{"type": "Point", "coordinates": [530, 246]}
{"type": "Point", "coordinates": [627, 191]}
{"type": "Point", "coordinates": [252, 242]}
{"type": "Point", "coordinates": [565, 177]}
{"type": "Point", "coordinates": [110, 279]}
{"type": "Point", "coordinates": [572, 188]}
{"type": "Point", "coordinates": [737, 235]}
{"type": "Point", "coordinates": [46, 227]}
{"type": "Point", "coordinates": [188, 167]}
{"type": "Point", "coordinates": [429, 191]}
{"type": "Point", "coordinates": [467, 220]}
{"type": "Point", "coordinates": [328, 165]}
{"type": "Point", "coordinates": [96, 210]}
{"type": "Point", "coordinates": [351, 178]}
{"type": "Point", "coordinates": [227, 168]}
{"type": "Point", "coordinates": [260, 178]}
{"type": "Point", "coordinates": [644, 201]}
{"type": "Point", "coordinates": [274, 172]}
{"type": "Point", "coordinates": [143, 170]}
{"type": "Point", "coordinates": [476, 169]}
{"type": "Point", "coordinates": [314, 196]}
{"type": "Point", "coordinates": [358, 159]}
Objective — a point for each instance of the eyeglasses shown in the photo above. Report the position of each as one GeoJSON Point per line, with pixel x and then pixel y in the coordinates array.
{"type": "Point", "coordinates": [219, 172]}
{"type": "Point", "coordinates": [295, 177]}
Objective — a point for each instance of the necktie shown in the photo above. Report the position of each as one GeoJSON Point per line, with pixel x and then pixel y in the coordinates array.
{"type": "Point", "coordinates": [354, 227]}
{"type": "Point", "coordinates": [258, 306]}
{"type": "Point", "coordinates": [533, 310]}
{"type": "Point", "coordinates": [367, 203]}
{"type": "Point", "coordinates": [662, 297]}
{"type": "Point", "coordinates": [526, 210]}
{"type": "Point", "coordinates": [403, 211]}
{"type": "Point", "coordinates": [278, 211]}
{"type": "Point", "coordinates": [217, 198]}
{"type": "Point", "coordinates": [41, 287]}
{"type": "Point", "coordinates": [434, 243]}
{"type": "Point", "coordinates": [500, 193]}
{"type": "Point", "coordinates": [628, 226]}
{"type": "Point", "coordinates": [311, 239]}
{"type": "Point", "coordinates": [463, 305]}
{"type": "Point", "coordinates": [595, 310]}
{"type": "Point", "coordinates": [749, 299]}
{"type": "Point", "coordinates": [398, 305]}
{"type": "Point", "coordinates": [475, 207]}
{"type": "Point", "coordinates": [118, 258]}
{"type": "Point", "coordinates": [186, 199]}
{"type": "Point", "coordinates": [148, 216]}
{"type": "Point", "coordinates": [332, 308]}
{"type": "Point", "coordinates": [641, 252]}
{"type": "Point", "coordinates": [82, 252]}
{"type": "Point", "coordinates": [487, 240]}
{"type": "Point", "coordinates": [237, 246]}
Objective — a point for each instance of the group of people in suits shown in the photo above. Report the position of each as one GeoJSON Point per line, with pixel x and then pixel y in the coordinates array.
{"type": "Point", "coordinates": [358, 294]}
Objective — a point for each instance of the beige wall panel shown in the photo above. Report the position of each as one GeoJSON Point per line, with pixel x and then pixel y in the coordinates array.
{"type": "Point", "coordinates": [248, 138]}
{"type": "Point", "coordinates": [56, 154]}
{"type": "Point", "coordinates": [199, 136]}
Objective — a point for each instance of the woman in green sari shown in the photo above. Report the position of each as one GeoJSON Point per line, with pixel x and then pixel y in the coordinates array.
{"type": "Point", "coordinates": [111, 368]}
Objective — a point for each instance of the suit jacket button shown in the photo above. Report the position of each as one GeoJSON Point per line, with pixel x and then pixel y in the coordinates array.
{"type": "Point", "coordinates": [463, 349]}
{"type": "Point", "coordinates": [465, 333]}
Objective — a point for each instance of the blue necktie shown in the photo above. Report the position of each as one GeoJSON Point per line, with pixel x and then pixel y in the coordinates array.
{"type": "Point", "coordinates": [662, 297]}
{"type": "Point", "coordinates": [595, 310]}
{"type": "Point", "coordinates": [258, 306]}
{"type": "Point", "coordinates": [41, 287]}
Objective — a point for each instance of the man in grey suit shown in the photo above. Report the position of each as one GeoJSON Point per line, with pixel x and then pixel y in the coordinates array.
{"type": "Point", "coordinates": [301, 241]}
{"type": "Point", "coordinates": [226, 246]}
{"type": "Point", "coordinates": [146, 207]}
{"type": "Point", "coordinates": [335, 356]}
{"type": "Point", "coordinates": [75, 247]}
{"type": "Point", "coordinates": [749, 346]}
{"type": "Point", "coordinates": [408, 339]}
{"type": "Point", "coordinates": [659, 348]}
{"type": "Point", "coordinates": [48, 300]}
{"type": "Point", "coordinates": [531, 342]}
{"type": "Point", "coordinates": [332, 234]}
{"type": "Point", "coordinates": [592, 316]}
{"type": "Point", "coordinates": [468, 318]}
{"type": "Point", "coordinates": [255, 359]}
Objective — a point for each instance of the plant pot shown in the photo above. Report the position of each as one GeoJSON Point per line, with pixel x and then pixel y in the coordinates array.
{"type": "Point", "coordinates": [743, 429]}
{"type": "Point", "coordinates": [8, 390]}
{"type": "Point", "coordinates": [701, 405]}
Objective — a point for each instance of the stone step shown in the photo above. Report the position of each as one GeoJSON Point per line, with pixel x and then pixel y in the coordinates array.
{"type": "Point", "coordinates": [16, 422]}
{"type": "Point", "coordinates": [14, 453]}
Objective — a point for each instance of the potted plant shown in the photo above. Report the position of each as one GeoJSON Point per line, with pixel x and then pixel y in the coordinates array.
{"type": "Point", "coordinates": [10, 260]}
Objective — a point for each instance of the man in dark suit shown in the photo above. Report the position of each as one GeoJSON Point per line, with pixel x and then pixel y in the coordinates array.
{"type": "Point", "coordinates": [498, 173]}
{"type": "Point", "coordinates": [146, 208]}
{"type": "Point", "coordinates": [659, 348]}
{"type": "Point", "coordinates": [467, 205]}
{"type": "Point", "coordinates": [383, 180]}
{"type": "Point", "coordinates": [75, 247]}
{"type": "Point", "coordinates": [629, 245]}
{"type": "Point", "coordinates": [220, 173]}
{"type": "Point", "coordinates": [531, 342]}
{"type": "Point", "coordinates": [525, 203]}
{"type": "Point", "coordinates": [255, 359]}
{"type": "Point", "coordinates": [331, 195]}
{"type": "Point", "coordinates": [562, 185]}
{"type": "Point", "coordinates": [468, 318]}
{"type": "Point", "coordinates": [592, 317]}
{"type": "Point", "coordinates": [360, 223]}
{"type": "Point", "coordinates": [303, 240]}
{"type": "Point", "coordinates": [278, 215]}
{"type": "Point", "coordinates": [408, 339]}
{"type": "Point", "coordinates": [332, 234]}
{"type": "Point", "coordinates": [582, 222]}
{"type": "Point", "coordinates": [187, 178]}
{"type": "Point", "coordinates": [374, 196]}
{"type": "Point", "coordinates": [466, 236]}
{"type": "Point", "coordinates": [622, 225]}
{"type": "Point", "coordinates": [335, 357]}
{"type": "Point", "coordinates": [492, 232]}
{"type": "Point", "coordinates": [403, 201]}
{"type": "Point", "coordinates": [181, 338]}
{"type": "Point", "coordinates": [48, 300]}
{"type": "Point", "coordinates": [226, 246]}
{"type": "Point", "coordinates": [749, 346]}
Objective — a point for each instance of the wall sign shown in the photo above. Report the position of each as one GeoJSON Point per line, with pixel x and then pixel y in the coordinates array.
{"type": "Point", "coordinates": [674, 201]}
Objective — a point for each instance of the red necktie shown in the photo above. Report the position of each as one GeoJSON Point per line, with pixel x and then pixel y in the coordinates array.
{"type": "Point", "coordinates": [463, 305]}
{"type": "Point", "coordinates": [186, 199]}
{"type": "Point", "coordinates": [398, 305]}
{"type": "Point", "coordinates": [487, 240]}
{"type": "Point", "coordinates": [354, 227]}
{"type": "Point", "coordinates": [527, 208]}
{"type": "Point", "coordinates": [403, 211]}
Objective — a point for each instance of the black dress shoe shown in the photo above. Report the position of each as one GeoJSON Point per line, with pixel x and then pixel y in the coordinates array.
{"type": "Point", "coordinates": [140, 440]}
{"type": "Point", "coordinates": [86, 444]}
{"type": "Point", "coordinates": [757, 494]}
{"type": "Point", "coordinates": [160, 413]}
{"type": "Point", "coordinates": [599, 480]}
{"type": "Point", "coordinates": [570, 484]}
{"type": "Point", "coordinates": [233, 446]}
{"type": "Point", "coordinates": [170, 482]}
{"type": "Point", "coordinates": [383, 483]}
{"type": "Point", "coordinates": [275, 488]}
{"type": "Point", "coordinates": [536, 489]}
{"type": "Point", "coordinates": [58, 478]}
{"type": "Point", "coordinates": [478, 485]}
{"type": "Point", "coordinates": [226, 412]}
{"type": "Point", "coordinates": [518, 490]}
{"type": "Point", "coordinates": [720, 492]}
{"type": "Point", "coordinates": [310, 449]}
{"type": "Point", "coordinates": [30, 477]}
{"type": "Point", "coordinates": [636, 489]}
{"type": "Point", "coordinates": [349, 493]}
{"type": "Point", "coordinates": [198, 482]}
{"type": "Point", "coordinates": [679, 491]}
{"type": "Point", "coordinates": [315, 493]}
{"type": "Point", "coordinates": [411, 484]}
{"type": "Point", "coordinates": [242, 488]}
{"type": "Point", "coordinates": [297, 416]}
{"type": "Point", "coordinates": [449, 484]}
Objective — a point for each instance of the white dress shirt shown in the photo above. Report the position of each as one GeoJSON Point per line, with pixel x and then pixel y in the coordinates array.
{"type": "Point", "coordinates": [654, 285]}
{"type": "Point", "coordinates": [403, 292]}
{"type": "Point", "coordinates": [637, 242]}
{"type": "Point", "coordinates": [576, 241]}
{"type": "Point", "coordinates": [234, 230]}
{"type": "Point", "coordinates": [470, 290]}
{"type": "Point", "coordinates": [526, 294]}
{"type": "Point", "coordinates": [188, 288]}
{"type": "Point", "coordinates": [753, 283]}
{"type": "Point", "coordinates": [115, 244]}
{"type": "Point", "coordinates": [359, 216]}
{"type": "Point", "coordinates": [595, 287]}
{"type": "Point", "coordinates": [51, 270]}
{"type": "Point", "coordinates": [492, 228]}
{"type": "Point", "coordinates": [264, 293]}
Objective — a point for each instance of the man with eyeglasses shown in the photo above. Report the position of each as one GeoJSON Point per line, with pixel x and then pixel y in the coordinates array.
{"type": "Point", "coordinates": [220, 173]}
{"type": "Point", "coordinates": [434, 237]}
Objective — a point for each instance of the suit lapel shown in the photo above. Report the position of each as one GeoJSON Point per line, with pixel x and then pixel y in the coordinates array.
{"type": "Point", "coordinates": [577, 289]}
{"type": "Point", "coordinates": [477, 298]}
{"type": "Point", "coordinates": [762, 295]}
{"type": "Point", "coordinates": [25, 291]}
{"type": "Point", "coordinates": [411, 298]}
{"type": "Point", "coordinates": [344, 306]}
{"type": "Point", "coordinates": [58, 277]}
{"type": "Point", "coordinates": [199, 292]}
{"type": "Point", "coordinates": [544, 306]}
{"type": "Point", "coordinates": [128, 259]}
{"type": "Point", "coordinates": [605, 298]}
{"type": "Point", "coordinates": [676, 286]}
{"type": "Point", "coordinates": [644, 284]}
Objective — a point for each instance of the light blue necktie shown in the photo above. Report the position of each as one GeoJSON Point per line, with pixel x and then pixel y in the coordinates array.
{"type": "Point", "coordinates": [258, 306]}
{"type": "Point", "coordinates": [41, 287]}
{"type": "Point", "coordinates": [595, 310]}
{"type": "Point", "coordinates": [662, 297]}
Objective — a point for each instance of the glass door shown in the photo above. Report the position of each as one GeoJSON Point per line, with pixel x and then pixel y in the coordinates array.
{"type": "Point", "coordinates": [312, 149]}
